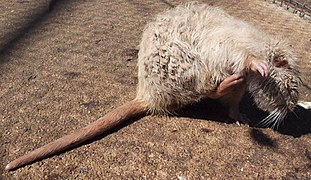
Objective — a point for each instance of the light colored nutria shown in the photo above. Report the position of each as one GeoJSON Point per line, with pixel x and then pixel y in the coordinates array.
{"type": "Point", "coordinates": [195, 51]}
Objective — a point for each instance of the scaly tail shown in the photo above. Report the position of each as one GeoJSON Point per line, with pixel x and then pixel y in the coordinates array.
{"type": "Point", "coordinates": [110, 120]}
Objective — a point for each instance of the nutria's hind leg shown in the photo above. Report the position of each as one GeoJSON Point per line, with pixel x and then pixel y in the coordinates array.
{"type": "Point", "coordinates": [232, 100]}
{"type": "Point", "coordinates": [230, 91]}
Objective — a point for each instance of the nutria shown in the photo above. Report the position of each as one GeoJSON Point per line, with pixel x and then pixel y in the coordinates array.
{"type": "Point", "coordinates": [194, 51]}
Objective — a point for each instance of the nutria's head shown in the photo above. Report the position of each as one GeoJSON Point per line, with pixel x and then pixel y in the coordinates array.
{"type": "Point", "coordinates": [278, 93]}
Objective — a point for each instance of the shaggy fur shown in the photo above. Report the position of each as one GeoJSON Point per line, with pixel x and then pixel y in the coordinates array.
{"type": "Point", "coordinates": [187, 51]}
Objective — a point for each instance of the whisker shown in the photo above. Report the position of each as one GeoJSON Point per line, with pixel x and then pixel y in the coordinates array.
{"type": "Point", "coordinates": [267, 120]}
{"type": "Point", "coordinates": [296, 115]}
{"type": "Point", "coordinates": [274, 119]}
{"type": "Point", "coordinates": [279, 118]}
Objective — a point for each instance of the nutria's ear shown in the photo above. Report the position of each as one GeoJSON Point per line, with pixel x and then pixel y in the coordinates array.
{"type": "Point", "coordinates": [280, 61]}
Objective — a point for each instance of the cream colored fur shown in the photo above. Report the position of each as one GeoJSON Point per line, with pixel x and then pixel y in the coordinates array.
{"type": "Point", "coordinates": [187, 51]}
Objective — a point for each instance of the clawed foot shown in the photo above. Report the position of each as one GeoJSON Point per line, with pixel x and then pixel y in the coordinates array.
{"type": "Point", "coordinates": [259, 66]}
{"type": "Point", "coordinates": [239, 118]}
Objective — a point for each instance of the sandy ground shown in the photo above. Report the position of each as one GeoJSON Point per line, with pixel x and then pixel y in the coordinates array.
{"type": "Point", "coordinates": [63, 64]}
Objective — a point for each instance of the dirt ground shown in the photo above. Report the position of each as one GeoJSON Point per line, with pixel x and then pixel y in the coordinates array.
{"type": "Point", "coordinates": [63, 64]}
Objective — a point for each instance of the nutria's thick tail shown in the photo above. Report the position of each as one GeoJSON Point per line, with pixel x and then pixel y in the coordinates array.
{"type": "Point", "coordinates": [116, 116]}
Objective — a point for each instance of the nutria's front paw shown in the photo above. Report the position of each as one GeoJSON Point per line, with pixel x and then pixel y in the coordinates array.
{"type": "Point", "coordinates": [259, 66]}
{"type": "Point", "coordinates": [227, 86]}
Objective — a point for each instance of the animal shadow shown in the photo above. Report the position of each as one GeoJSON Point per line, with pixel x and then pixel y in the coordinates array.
{"type": "Point", "coordinates": [296, 123]}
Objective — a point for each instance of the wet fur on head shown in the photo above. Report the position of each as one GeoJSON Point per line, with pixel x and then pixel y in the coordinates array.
{"type": "Point", "coordinates": [278, 93]}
